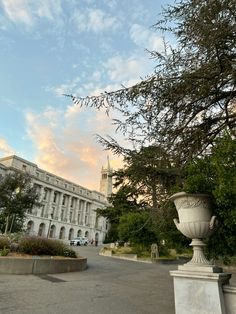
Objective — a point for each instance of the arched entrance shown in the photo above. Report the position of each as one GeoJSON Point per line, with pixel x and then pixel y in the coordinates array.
{"type": "Point", "coordinates": [52, 231]}
{"type": "Point", "coordinates": [41, 231]}
{"type": "Point", "coordinates": [79, 233]}
{"type": "Point", "coordinates": [71, 234]}
{"type": "Point", "coordinates": [96, 238]}
{"type": "Point", "coordinates": [30, 227]}
{"type": "Point", "coordinates": [62, 233]}
{"type": "Point", "coordinates": [86, 234]}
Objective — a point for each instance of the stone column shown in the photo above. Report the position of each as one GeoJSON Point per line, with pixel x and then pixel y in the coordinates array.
{"type": "Point", "coordinates": [83, 213]}
{"type": "Point", "coordinates": [58, 207]}
{"type": "Point", "coordinates": [75, 218]}
{"type": "Point", "coordinates": [68, 209]}
{"type": "Point", "coordinates": [49, 205]}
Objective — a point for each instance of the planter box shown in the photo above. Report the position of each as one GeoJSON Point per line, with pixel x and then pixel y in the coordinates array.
{"type": "Point", "coordinates": [41, 265]}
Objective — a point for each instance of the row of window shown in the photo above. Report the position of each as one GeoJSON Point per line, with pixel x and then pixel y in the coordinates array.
{"type": "Point", "coordinates": [51, 233]}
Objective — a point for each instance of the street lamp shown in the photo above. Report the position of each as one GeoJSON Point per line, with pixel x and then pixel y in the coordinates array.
{"type": "Point", "coordinates": [49, 227]}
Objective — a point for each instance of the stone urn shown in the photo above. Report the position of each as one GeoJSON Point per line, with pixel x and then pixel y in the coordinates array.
{"type": "Point", "coordinates": [195, 222]}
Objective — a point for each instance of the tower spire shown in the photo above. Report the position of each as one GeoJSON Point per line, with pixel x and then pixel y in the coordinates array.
{"type": "Point", "coordinates": [106, 179]}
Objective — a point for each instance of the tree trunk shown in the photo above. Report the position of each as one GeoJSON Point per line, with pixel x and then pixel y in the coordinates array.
{"type": "Point", "coordinates": [7, 224]}
{"type": "Point", "coordinates": [12, 222]}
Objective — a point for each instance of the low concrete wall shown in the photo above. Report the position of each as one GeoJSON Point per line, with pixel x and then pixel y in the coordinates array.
{"type": "Point", "coordinates": [41, 265]}
{"type": "Point", "coordinates": [230, 298]}
{"type": "Point", "coordinates": [129, 257]}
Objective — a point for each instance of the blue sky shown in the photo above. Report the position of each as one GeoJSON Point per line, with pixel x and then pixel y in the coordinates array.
{"type": "Point", "coordinates": [80, 47]}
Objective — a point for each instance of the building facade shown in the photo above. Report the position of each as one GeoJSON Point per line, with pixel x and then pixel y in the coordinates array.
{"type": "Point", "coordinates": [67, 209]}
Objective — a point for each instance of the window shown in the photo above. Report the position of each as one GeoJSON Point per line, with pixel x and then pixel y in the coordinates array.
{"type": "Point", "coordinates": [71, 213]}
{"type": "Point", "coordinates": [64, 200]}
{"type": "Point", "coordinates": [47, 178]}
{"type": "Point", "coordinates": [42, 211]}
{"type": "Point", "coordinates": [24, 167]}
{"type": "Point", "coordinates": [45, 194]}
{"type": "Point", "coordinates": [104, 176]}
{"type": "Point", "coordinates": [55, 197]}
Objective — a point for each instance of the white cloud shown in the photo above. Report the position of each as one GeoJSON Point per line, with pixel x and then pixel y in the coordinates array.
{"type": "Point", "coordinates": [27, 12]}
{"type": "Point", "coordinates": [17, 11]}
{"type": "Point", "coordinates": [123, 69]}
{"type": "Point", "coordinates": [145, 38]}
{"type": "Point", "coordinates": [5, 149]}
{"type": "Point", "coordinates": [65, 88]}
{"type": "Point", "coordinates": [94, 20]}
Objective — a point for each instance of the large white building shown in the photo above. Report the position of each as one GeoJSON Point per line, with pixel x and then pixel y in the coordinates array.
{"type": "Point", "coordinates": [68, 210]}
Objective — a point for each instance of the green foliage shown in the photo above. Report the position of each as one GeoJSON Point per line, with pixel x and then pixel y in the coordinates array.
{"type": "Point", "coordinates": [43, 246]}
{"type": "Point", "coordinates": [4, 251]}
{"type": "Point", "coordinates": [17, 197]}
{"type": "Point", "coordinates": [190, 98]}
{"type": "Point", "coordinates": [216, 175]}
{"type": "Point", "coordinates": [137, 228]}
{"type": "Point", "coordinates": [183, 108]}
{"type": "Point", "coordinates": [112, 234]}
{"type": "Point", "coordinates": [123, 202]}
{"type": "Point", "coordinates": [4, 242]}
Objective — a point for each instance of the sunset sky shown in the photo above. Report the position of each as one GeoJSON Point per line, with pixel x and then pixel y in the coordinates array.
{"type": "Point", "coordinates": [79, 47]}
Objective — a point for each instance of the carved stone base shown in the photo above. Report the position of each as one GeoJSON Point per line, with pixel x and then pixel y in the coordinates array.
{"type": "Point", "coordinates": [197, 292]}
{"type": "Point", "coordinates": [199, 262]}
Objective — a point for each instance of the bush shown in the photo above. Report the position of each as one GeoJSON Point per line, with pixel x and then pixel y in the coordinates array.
{"type": "Point", "coordinates": [4, 251]}
{"type": "Point", "coordinates": [4, 243]}
{"type": "Point", "coordinates": [42, 246]}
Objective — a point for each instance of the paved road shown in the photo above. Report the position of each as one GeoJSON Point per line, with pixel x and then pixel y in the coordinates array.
{"type": "Point", "coordinates": [108, 286]}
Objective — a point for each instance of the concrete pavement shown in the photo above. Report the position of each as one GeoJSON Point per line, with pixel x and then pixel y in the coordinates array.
{"type": "Point", "coordinates": [108, 286]}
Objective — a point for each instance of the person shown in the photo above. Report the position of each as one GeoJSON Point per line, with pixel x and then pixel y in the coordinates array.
{"type": "Point", "coordinates": [92, 242]}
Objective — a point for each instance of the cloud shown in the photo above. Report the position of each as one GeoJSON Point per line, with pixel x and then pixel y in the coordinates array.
{"type": "Point", "coordinates": [17, 11]}
{"type": "Point", "coordinates": [27, 12]}
{"type": "Point", "coordinates": [65, 143]}
{"type": "Point", "coordinates": [145, 38]}
{"type": "Point", "coordinates": [94, 20]}
{"type": "Point", "coordinates": [5, 149]}
{"type": "Point", "coordinates": [117, 70]}
{"type": "Point", "coordinates": [123, 69]}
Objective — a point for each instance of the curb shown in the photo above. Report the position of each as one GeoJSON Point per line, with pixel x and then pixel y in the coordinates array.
{"type": "Point", "coordinates": [39, 265]}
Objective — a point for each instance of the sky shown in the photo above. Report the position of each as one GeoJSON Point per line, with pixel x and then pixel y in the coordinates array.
{"type": "Point", "coordinates": [80, 47]}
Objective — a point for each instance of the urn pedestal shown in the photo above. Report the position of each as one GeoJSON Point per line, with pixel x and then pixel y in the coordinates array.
{"type": "Point", "coordinates": [198, 284]}
{"type": "Point", "coordinates": [195, 222]}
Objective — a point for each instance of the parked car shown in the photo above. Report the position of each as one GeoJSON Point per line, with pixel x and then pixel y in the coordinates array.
{"type": "Point", "coordinates": [79, 241]}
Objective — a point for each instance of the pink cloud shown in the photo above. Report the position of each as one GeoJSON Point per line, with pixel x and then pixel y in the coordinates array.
{"type": "Point", "coordinates": [67, 147]}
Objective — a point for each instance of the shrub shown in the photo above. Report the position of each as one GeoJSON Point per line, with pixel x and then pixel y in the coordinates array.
{"type": "Point", "coordinates": [4, 243]}
{"type": "Point", "coordinates": [42, 246]}
{"type": "Point", "coordinates": [4, 251]}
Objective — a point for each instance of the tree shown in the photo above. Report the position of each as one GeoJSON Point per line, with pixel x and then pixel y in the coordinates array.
{"type": "Point", "coordinates": [190, 98]}
{"type": "Point", "coordinates": [216, 174]}
{"type": "Point", "coordinates": [137, 228]}
{"type": "Point", "coordinates": [17, 197]}
{"type": "Point", "coordinates": [152, 172]}
{"type": "Point", "coordinates": [122, 202]}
